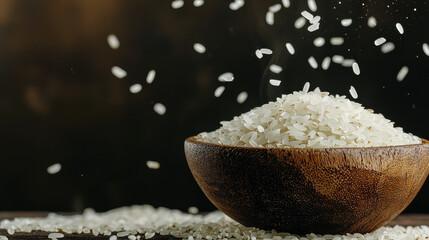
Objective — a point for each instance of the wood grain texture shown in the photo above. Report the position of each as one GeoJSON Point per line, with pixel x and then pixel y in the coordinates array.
{"type": "Point", "coordinates": [336, 190]}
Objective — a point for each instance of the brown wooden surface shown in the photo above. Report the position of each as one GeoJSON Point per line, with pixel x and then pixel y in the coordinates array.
{"type": "Point", "coordinates": [404, 220]}
{"type": "Point", "coordinates": [329, 190]}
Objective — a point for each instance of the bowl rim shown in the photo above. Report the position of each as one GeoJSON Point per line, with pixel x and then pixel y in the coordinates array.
{"type": "Point", "coordinates": [193, 139]}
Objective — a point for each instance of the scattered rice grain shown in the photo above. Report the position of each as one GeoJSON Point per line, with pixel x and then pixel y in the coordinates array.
{"type": "Point", "coordinates": [275, 8]}
{"type": "Point", "coordinates": [176, 4]}
{"type": "Point", "coordinates": [319, 42]}
{"type": "Point", "coordinates": [54, 168]}
{"type": "Point", "coordinates": [269, 18]}
{"type": "Point", "coordinates": [346, 22]}
{"type": "Point", "coordinates": [242, 97]}
{"type": "Point", "coordinates": [135, 88]}
{"type": "Point", "coordinates": [276, 68]}
{"type": "Point", "coordinates": [379, 41]}
{"type": "Point", "coordinates": [290, 48]}
{"type": "Point", "coordinates": [199, 48]}
{"type": "Point", "coordinates": [426, 49]}
{"type": "Point", "coordinates": [219, 91]}
{"type": "Point", "coordinates": [312, 5]}
{"type": "Point", "coordinates": [118, 72]}
{"type": "Point", "coordinates": [336, 41]}
{"type": "Point", "coordinates": [300, 23]}
{"type": "Point", "coordinates": [275, 82]}
{"type": "Point", "coordinates": [402, 74]}
{"type": "Point", "coordinates": [152, 165]}
{"type": "Point", "coordinates": [198, 3]}
{"type": "Point", "coordinates": [387, 47]}
{"type": "Point", "coordinates": [313, 63]}
{"type": "Point", "coordinates": [113, 41]}
{"type": "Point", "coordinates": [226, 77]}
{"type": "Point", "coordinates": [326, 63]}
{"type": "Point", "coordinates": [372, 22]}
{"type": "Point", "coordinates": [159, 108]}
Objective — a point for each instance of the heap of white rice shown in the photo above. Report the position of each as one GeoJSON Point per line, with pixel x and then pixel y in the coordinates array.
{"type": "Point", "coordinates": [143, 222]}
{"type": "Point", "coordinates": [310, 120]}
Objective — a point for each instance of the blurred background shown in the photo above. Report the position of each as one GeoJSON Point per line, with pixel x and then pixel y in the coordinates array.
{"type": "Point", "coordinates": [60, 103]}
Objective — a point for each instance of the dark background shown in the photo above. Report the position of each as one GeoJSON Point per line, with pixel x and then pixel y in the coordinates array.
{"type": "Point", "coordinates": [60, 103]}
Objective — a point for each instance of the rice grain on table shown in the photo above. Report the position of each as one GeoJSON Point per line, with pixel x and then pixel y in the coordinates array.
{"type": "Point", "coordinates": [353, 92]}
{"type": "Point", "coordinates": [319, 42]}
{"type": "Point", "coordinates": [313, 63]}
{"type": "Point", "coordinates": [290, 48]}
{"type": "Point", "coordinates": [387, 47]}
{"type": "Point", "coordinates": [199, 48]}
{"type": "Point", "coordinates": [402, 74]}
{"type": "Point", "coordinates": [300, 23]}
{"type": "Point", "coordinates": [135, 88]}
{"type": "Point", "coordinates": [315, 20]}
{"type": "Point", "coordinates": [275, 82]}
{"type": "Point", "coordinates": [152, 165]}
{"type": "Point", "coordinates": [400, 28]}
{"type": "Point", "coordinates": [379, 41]}
{"type": "Point", "coordinates": [218, 92]}
{"type": "Point", "coordinates": [306, 87]}
{"type": "Point", "coordinates": [346, 22]}
{"type": "Point", "coordinates": [242, 97]}
{"type": "Point", "coordinates": [336, 41]}
{"type": "Point", "coordinates": [150, 76]}
{"type": "Point", "coordinates": [302, 120]}
{"type": "Point", "coordinates": [338, 59]}
{"type": "Point", "coordinates": [54, 168]}
{"type": "Point", "coordinates": [426, 49]}
{"type": "Point", "coordinates": [276, 68]}
{"type": "Point", "coordinates": [326, 63]}
{"type": "Point", "coordinates": [372, 22]}
{"type": "Point", "coordinates": [266, 51]}
{"type": "Point", "coordinates": [159, 108]}
{"type": "Point", "coordinates": [237, 4]}
{"type": "Point", "coordinates": [113, 41]}
{"type": "Point", "coordinates": [118, 72]}
{"type": "Point", "coordinates": [176, 4]}
{"type": "Point", "coordinates": [193, 210]}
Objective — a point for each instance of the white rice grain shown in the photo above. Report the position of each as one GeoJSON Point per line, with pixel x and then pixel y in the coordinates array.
{"type": "Point", "coordinates": [113, 41]}
{"type": "Point", "coordinates": [326, 63]}
{"type": "Point", "coordinates": [199, 48]}
{"type": "Point", "coordinates": [275, 82]}
{"type": "Point", "coordinates": [402, 74]}
{"type": "Point", "coordinates": [151, 165]}
{"type": "Point", "coordinates": [313, 27]}
{"type": "Point", "coordinates": [198, 3]}
{"type": "Point", "coordinates": [55, 235]}
{"type": "Point", "coordinates": [54, 168]}
{"type": "Point", "coordinates": [150, 76]}
{"type": "Point", "coordinates": [259, 54]}
{"type": "Point", "coordinates": [266, 51]}
{"type": "Point", "coordinates": [387, 47]}
{"type": "Point", "coordinates": [336, 41]}
{"type": "Point", "coordinates": [226, 77]}
{"type": "Point", "coordinates": [400, 28]}
{"type": "Point", "coordinates": [135, 88]}
{"type": "Point", "coordinates": [242, 97]}
{"type": "Point", "coordinates": [193, 210]}
{"type": "Point", "coordinates": [319, 42]}
{"type": "Point", "coordinates": [356, 68]}
{"type": "Point", "coordinates": [276, 68]}
{"type": "Point", "coordinates": [313, 63]}
{"type": "Point", "coordinates": [269, 18]}
{"type": "Point", "coordinates": [300, 23]}
{"type": "Point", "coordinates": [307, 15]}
{"type": "Point", "coordinates": [348, 62]}
{"type": "Point", "coordinates": [353, 92]}
{"type": "Point", "coordinates": [219, 91]}
{"type": "Point", "coordinates": [275, 8]}
{"type": "Point", "coordinates": [379, 41]}
{"type": "Point", "coordinates": [118, 72]}
{"type": "Point", "coordinates": [286, 3]}
{"type": "Point", "coordinates": [372, 22]}
{"type": "Point", "coordinates": [346, 22]}
{"type": "Point", "coordinates": [176, 4]}
{"type": "Point", "coordinates": [312, 5]}
{"type": "Point", "coordinates": [338, 59]}
{"type": "Point", "coordinates": [290, 48]}
{"type": "Point", "coordinates": [306, 87]}
{"type": "Point", "coordinates": [159, 108]}
{"type": "Point", "coordinates": [426, 49]}
{"type": "Point", "coordinates": [237, 4]}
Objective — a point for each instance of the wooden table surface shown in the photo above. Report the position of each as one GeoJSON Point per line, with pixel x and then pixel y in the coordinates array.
{"type": "Point", "coordinates": [404, 220]}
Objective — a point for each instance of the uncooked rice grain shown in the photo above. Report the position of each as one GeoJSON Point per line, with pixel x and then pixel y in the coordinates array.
{"type": "Point", "coordinates": [346, 22]}
{"type": "Point", "coordinates": [290, 48]}
{"type": "Point", "coordinates": [275, 8]}
{"type": "Point", "coordinates": [307, 15]}
{"type": "Point", "coordinates": [135, 88]}
{"type": "Point", "coordinates": [353, 92]}
{"type": "Point", "coordinates": [269, 18]}
{"type": "Point", "coordinates": [356, 68]}
{"type": "Point", "coordinates": [400, 28]}
{"type": "Point", "coordinates": [226, 77]}
{"type": "Point", "coordinates": [199, 48]}
{"type": "Point", "coordinates": [402, 74]}
{"type": "Point", "coordinates": [3, 238]}
{"type": "Point", "coordinates": [426, 49]}
{"type": "Point", "coordinates": [147, 221]}
{"type": "Point", "coordinates": [336, 41]}
{"type": "Point", "coordinates": [193, 210]}
{"type": "Point", "coordinates": [118, 72]}
{"type": "Point", "coordinates": [176, 4]}
{"type": "Point", "coordinates": [266, 51]}
{"type": "Point", "coordinates": [387, 47]}
{"type": "Point", "coordinates": [259, 54]}
{"type": "Point", "coordinates": [54, 168]}
{"type": "Point", "coordinates": [113, 41]}
{"type": "Point", "coordinates": [379, 41]}
{"type": "Point", "coordinates": [313, 27]}
{"type": "Point", "coordinates": [312, 5]}
{"type": "Point", "coordinates": [198, 3]}
{"type": "Point", "coordinates": [310, 120]}
{"type": "Point", "coordinates": [286, 3]}
{"type": "Point", "coordinates": [372, 22]}
{"type": "Point", "coordinates": [219, 90]}
{"type": "Point", "coordinates": [159, 108]}
{"type": "Point", "coordinates": [348, 62]}
{"type": "Point", "coordinates": [275, 82]}
{"type": "Point", "coordinates": [152, 165]}
{"type": "Point", "coordinates": [326, 63]}
{"type": "Point", "coordinates": [319, 42]}
{"type": "Point", "coordinates": [315, 20]}
{"type": "Point", "coordinates": [338, 59]}
{"type": "Point", "coordinates": [150, 76]}
{"type": "Point", "coordinates": [242, 97]}
{"type": "Point", "coordinates": [276, 68]}
{"type": "Point", "coordinates": [306, 87]}
{"type": "Point", "coordinates": [313, 63]}
{"type": "Point", "coordinates": [300, 23]}
{"type": "Point", "coordinates": [237, 4]}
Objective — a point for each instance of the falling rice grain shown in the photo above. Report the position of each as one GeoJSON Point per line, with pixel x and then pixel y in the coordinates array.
{"type": "Point", "coordinates": [346, 22]}
{"type": "Point", "coordinates": [356, 68]}
{"type": "Point", "coordinates": [135, 88]}
{"type": "Point", "coordinates": [353, 92]}
{"type": "Point", "coordinates": [199, 48]}
{"type": "Point", "coordinates": [312, 5]}
{"type": "Point", "coordinates": [379, 41]}
{"type": "Point", "coordinates": [176, 4]}
{"type": "Point", "coordinates": [286, 3]}
{"type": "Point", "coordinates": [372, 22]}
{"type": "Point", "coordinates": [348, 62]}
{"type": "Point", "coordinates": [336, 41]}
{"type": "Point", "coordinates": [307, 15]}
{"type": "Point", "coordinates": [151, 165]}
{"type": "Point", "coordinates": [306, 87]}
{"type": "Point", "coordinates": [113, 237]}
{"type": "Point", "coordinates": [400, 28]}
{"type": "Point", "coordinates": [319, 42]}
{"type": "Point", "coordinates": [258, 54]}
{"type": "Point", "coordinates": [276, 68]}
{"type": "Point", "coordinates": [54, 168]}
{"type": "Point", "coordinates": [326, 63]}
{"type": "Point", "coordinates": [226, 77]}
{"type": "Point", "coordinates": [315, 20]}
{"type": "Point", "coordinates": [290, 48]}
{"type": "Point", "coordinates": [269, 18]}
{"type": "Point", "coordinates": [266, 51]}
{"type": "Point", "coordinates": [338, 59]}
{"type": "Point", "coordinates": [193, 210]}
{"type": "Point", "coordinates": [242, 97]}
{"type": "Point", "coordinates": [237, 4]}
{"type": "Point", "coordinates": [198, 3]}
{"type": "Point", "coordinates": [275, 82]}
{"type": "Point", "coordinates": [426, 48]}
{"type": "Point", "coordinates": [113, 41]}
{"type": "Point", "coordinates": [275, 8]}
{"type": "Point", "coordinates": [313, 63]}
{"type": "Point", "coordinates": [118, 72]}
{"type": "Point", "coordinates": [159, 108]}
{"type": "Point", "coordinates": [150, 76]}
{"type": "Point", "coordinates": [218, 92]}
{"type": "Point", "coordinates": [402, 74]}
{"type": "Point", "coordinates": [300, 23]}
{"type": "Point", "coordinates": [313, 27]}
{"type": "Point", "coordinates": [388, 47]}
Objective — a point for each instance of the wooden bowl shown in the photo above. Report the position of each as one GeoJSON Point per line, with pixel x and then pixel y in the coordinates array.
{"type": "Point", "coordinates": [331, 190]}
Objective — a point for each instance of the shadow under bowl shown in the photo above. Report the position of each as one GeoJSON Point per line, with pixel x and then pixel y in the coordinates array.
{"type": "Point", "coordinates": [329, 190]}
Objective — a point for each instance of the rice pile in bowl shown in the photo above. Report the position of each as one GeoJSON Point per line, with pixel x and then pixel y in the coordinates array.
{"type": "Point", "coordinates": [310, 120]}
